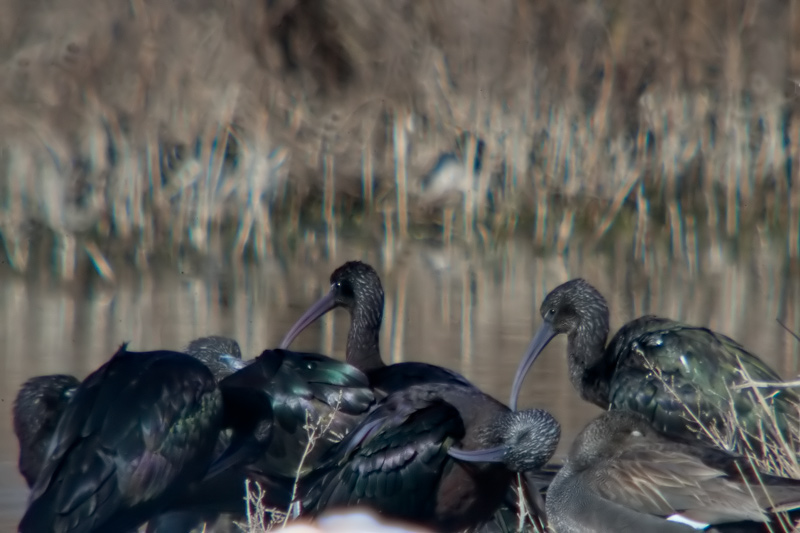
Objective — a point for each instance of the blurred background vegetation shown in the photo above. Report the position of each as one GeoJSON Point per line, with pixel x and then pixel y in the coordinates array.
{"type": "Point", "coordinates": [140, 127]}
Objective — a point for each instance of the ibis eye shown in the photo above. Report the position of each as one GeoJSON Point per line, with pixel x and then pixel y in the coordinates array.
{"type": "Point", "coordinates": [552, 311]}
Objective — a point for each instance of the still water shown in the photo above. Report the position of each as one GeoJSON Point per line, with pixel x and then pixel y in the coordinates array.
{"type": "Point", "coordinates": [467, 309]}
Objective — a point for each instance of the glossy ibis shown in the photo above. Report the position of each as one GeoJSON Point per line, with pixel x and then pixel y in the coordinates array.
{"type": "Point", "coordinates": [37, 409]}
{"type": "Point", "coordinates": [356, 287]}
{"type": "Point", "coordinates": [396, 461]}
{"type": "Point", "coordinates": [302, 390]}
{"type": "Point", "coordinates": [42, 399]}
{"type": "Point", "coordinates": [221, 355]}
{"type": "Point", "coordinates": [299, 391]}
{"type": "Point", "coordinates": [202, 503]}
{"type": "Point", "coordinates": [528, 439]}
{"type": "Point", "coordinates": [137, 432]}
{"type": "Point", "coordinates": [658, 367]}
{"type": "Point", "coordinates": [622, 475]}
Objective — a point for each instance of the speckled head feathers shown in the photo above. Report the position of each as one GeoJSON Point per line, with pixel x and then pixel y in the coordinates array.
{"type": "Point", "coordinates": [357, 284]}
{"type": "Point", "coordinates": [574, 304]}
{"type": "Point", "coordinates": [221, 355]}
{"type": "Point", "coordinates": [36, 412]}
{"type": "Point", "coordinates": [354, 272]}
{"type": "Point", "coordinates": [356, 287]}
{"type": "Point", "coordinates": [530, 437]}
{"type": "Point", "coordinates": [214, 346]}
{"type": "Point", "coordinates": [577, 294]}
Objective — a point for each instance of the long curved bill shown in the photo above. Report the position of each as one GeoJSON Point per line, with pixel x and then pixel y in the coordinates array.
{"type": "Point", "coordinates": [540, 340]}
{"type": "Point", "coordinates": [320, 307]}
{"type": "Point", "coordinates": [489, 455]}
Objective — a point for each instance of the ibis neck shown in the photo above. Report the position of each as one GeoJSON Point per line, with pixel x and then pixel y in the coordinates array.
{"type": "Point", "coordinates": [363, 340]}
{"type": "Point", "coordinates": [588, 367]}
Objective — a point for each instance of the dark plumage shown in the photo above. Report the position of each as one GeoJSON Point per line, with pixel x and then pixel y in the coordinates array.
{"type": "Point", "coordinates": [41, 401]}
{"type": "Point", "coordinates": [221, 355]}
{"type": "Point", "coordinates": [177, 522]}
{"type": "Point", "coordinates": [702, 367]}
{"type": "Point", "coordinates": [356, 287]}
{"type": "Point", "coordinates": [396, 460]}
{"type": "Point", "coordinates": [37, 409]}
{"type": "Point", "coordinates": [622, 475]}
{"type": "Point", "coordinates": [300, 389]}
{"type": "Point", "coordinates": [137, 431]}
{"type": "Point", "coordinates": [202, 503]}
{"type": "Point", "coordinates": [527, 441]}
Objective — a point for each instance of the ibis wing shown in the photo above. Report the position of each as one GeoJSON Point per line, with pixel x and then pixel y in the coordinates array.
{"type": "Point", "coordinates": [396, 465]}
{"type": "Point", "coordinates": [662, 480]}
{"type": "Point", "coordinates": [309, 392]}
{"type": "Point", "coordinates": [135, 426]}
{"type": "Point", "coordinates": [664, 369]}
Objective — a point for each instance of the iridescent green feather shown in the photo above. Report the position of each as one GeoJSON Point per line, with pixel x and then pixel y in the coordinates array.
{"type": "Point", "coordinates": [397, 468]}
{"type": "Point", "coordinates": [664, 369]}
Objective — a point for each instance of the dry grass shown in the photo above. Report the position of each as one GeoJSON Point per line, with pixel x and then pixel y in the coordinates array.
{"type": "Point", "coordinates": [260, 518]}
{"type": "Point", "coordinates": [138, 124]}
{"type": "Point", "coordinates": [527, 519]}
{"type": "Point", "coordinates": [314, 431]}
{"type": "Point", "coordinates": [771, 452]}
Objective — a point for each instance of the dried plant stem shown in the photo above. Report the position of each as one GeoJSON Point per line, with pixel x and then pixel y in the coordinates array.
{"type": "Point", "coordinates": [315, 431]}
{"type": "Point", "coordinates": [401, 170]}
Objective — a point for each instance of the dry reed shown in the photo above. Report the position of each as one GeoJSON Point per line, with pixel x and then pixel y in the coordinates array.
{"type": "Point", "coordinates": [132, 125]}
{"type": "Point", "coordinates": [772, 451]}
{"type": "Point", "coordinates": [261, 518]}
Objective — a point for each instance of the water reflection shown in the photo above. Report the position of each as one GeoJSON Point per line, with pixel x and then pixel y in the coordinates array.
{"type": "Point", "coordinates": [470, 310]}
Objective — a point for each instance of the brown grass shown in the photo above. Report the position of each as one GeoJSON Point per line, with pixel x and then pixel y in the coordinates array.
{"type": "Point", "coordinates": [260, 518]}
{"type": "Point", "coordinates": [771, 452]}
{"type": "Point", "coordinates": [143, 123]}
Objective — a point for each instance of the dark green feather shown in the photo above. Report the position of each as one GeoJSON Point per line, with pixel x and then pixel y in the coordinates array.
{"type": "Point", "coordinates": [703, 368]}
{"type": "Point", "coordinates": [304, 388]}
{"type": "Point", "coordinates": [397, 466]}
{"type": "Point", "coordinates": [137, 431]}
